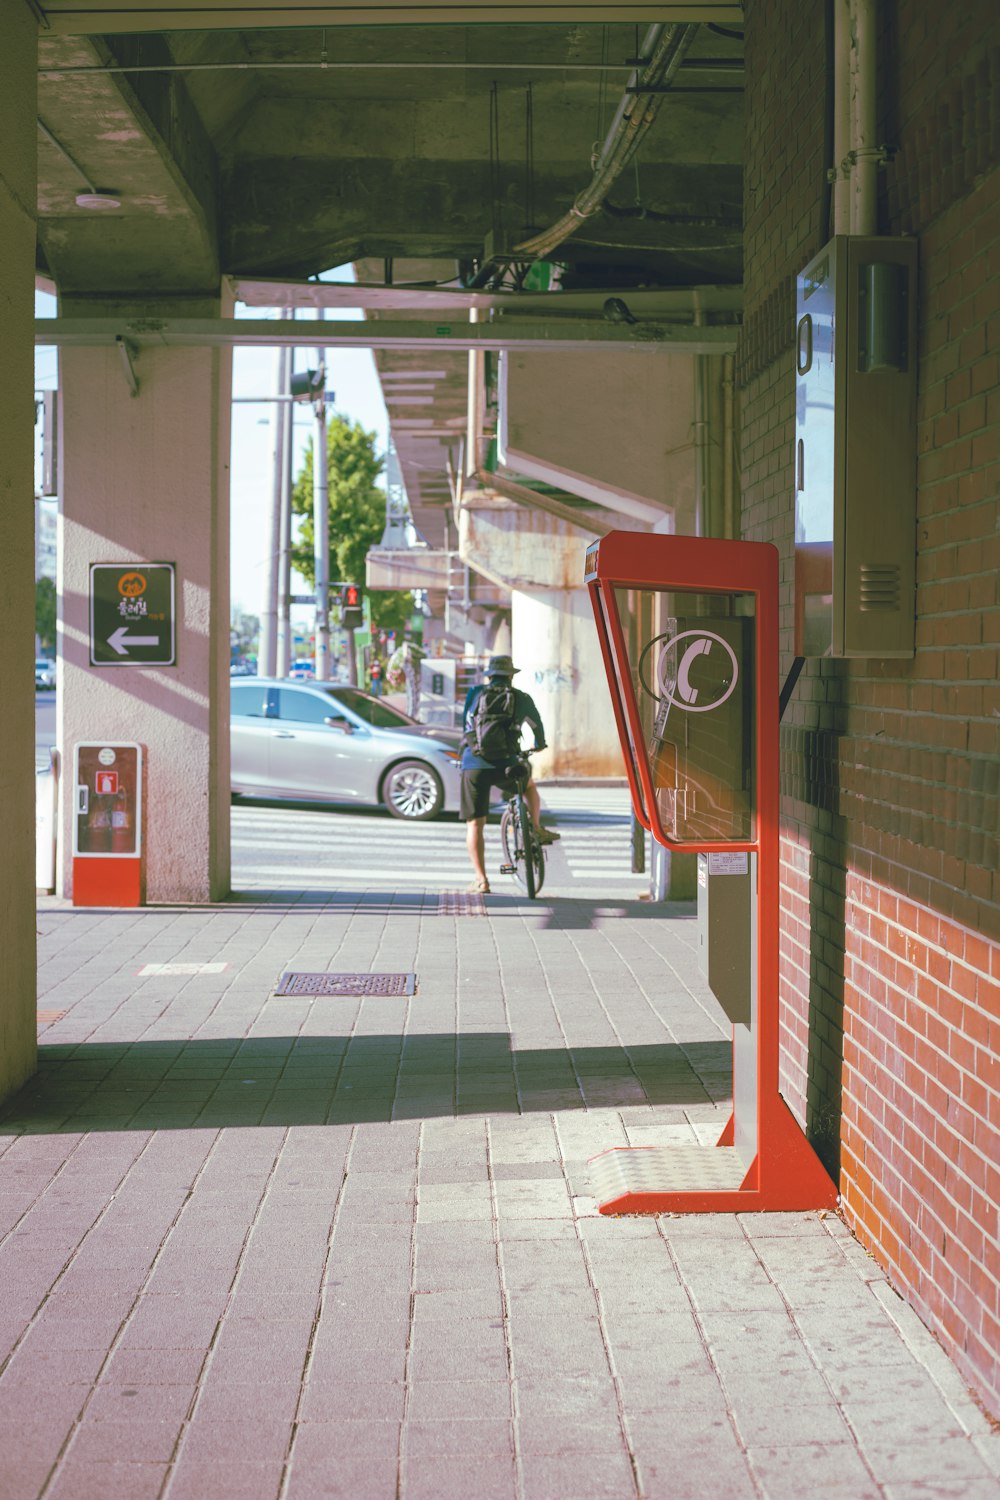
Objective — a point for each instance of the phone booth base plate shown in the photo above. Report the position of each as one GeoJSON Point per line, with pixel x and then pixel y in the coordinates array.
{"type": "Point", "coordinates": [714, 1179]}
{"type": "Point", "coordinates": [625, 1172]}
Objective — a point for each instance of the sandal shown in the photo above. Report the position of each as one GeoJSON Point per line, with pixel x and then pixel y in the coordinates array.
{"type": "Point", "coordinates": [479, 888]}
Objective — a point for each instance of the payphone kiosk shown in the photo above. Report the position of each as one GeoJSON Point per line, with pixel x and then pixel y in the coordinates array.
{"type": "Point", "coordinates": [688, 628]}
{"type": "Point", "coordinates": [107, 825]}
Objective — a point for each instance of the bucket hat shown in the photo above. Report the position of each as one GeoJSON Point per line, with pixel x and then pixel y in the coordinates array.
{"type": "Point", "coordinates": [501, 666]}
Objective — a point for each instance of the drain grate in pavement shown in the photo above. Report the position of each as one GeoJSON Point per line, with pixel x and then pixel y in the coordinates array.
{"type": "Point", "coordinates": [461, 904]}
{"type": "Point", "coordinates": [346, 984]}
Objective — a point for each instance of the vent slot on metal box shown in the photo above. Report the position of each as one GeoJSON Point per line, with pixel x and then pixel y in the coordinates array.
{"type": "Point", "coordinates": [878, 586]}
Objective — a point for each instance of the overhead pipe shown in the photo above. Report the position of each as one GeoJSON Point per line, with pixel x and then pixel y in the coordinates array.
{"type": "Point", "coordinates": [665, 48]}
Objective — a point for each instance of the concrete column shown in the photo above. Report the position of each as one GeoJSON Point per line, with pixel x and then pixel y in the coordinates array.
{"type": "Point", "coordinates": [146, 479]}
{"type": "Point", "coordinates": [554, 643]}
{"type": "Point", "coordinates": [18, 132]}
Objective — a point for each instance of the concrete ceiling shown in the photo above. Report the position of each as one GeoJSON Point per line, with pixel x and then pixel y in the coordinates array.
{"type": "Point", "coordinates": [237, 146]}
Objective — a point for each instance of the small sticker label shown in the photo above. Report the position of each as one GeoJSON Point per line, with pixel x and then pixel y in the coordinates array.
{"type": "Point", "coordinates": [107, 756]}
{"type": "Point", "coordinates": [728, 864]}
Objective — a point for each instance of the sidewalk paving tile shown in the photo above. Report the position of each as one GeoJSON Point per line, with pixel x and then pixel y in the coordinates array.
{"type": "Point", "coordinates": [261, 1249]}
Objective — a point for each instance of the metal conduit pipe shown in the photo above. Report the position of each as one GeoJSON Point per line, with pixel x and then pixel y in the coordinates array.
{"type": "Point", "coordinates": [865, 154]}
{"type": "Point", "coordinates": [273, 65]}
{"type": "Point", "coordinates": [840, 170]}
{"type": "Point", "coordinates": [701, 527]}
{"type": "Point", "coordinates": [728, 438]}
{"type": "Point", "coordinates": [665, 47]}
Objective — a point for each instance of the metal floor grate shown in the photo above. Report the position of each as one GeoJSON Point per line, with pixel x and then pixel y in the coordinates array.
{"type": "Point", "coordinates": [461, 904]}
{"type": "Point", "coordinates": [346, 984]}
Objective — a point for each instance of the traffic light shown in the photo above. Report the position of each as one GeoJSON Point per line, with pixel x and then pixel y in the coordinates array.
{"type": "Point", "coordinates": [351, 610]}
{"type": "Point", "coordinates": [307, 385]}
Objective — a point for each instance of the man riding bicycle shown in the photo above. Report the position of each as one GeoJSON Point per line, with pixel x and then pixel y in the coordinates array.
{"type": "Point", "coordinates": [491, 720]}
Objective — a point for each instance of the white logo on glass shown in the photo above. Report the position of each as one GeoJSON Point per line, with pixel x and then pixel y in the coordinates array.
{"type": "Point", "coordinates": [681, 691]}
{"type": "Point", "coordinates": [677, 659]}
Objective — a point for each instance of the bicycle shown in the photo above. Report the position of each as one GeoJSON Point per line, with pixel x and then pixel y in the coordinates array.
{"type": "Point", "coordinates": [524, 855]}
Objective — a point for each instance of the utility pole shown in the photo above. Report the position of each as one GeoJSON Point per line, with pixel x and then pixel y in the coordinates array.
{"type": "Point", "coordinates": [267, 658]}
{"type": "Point", "coordinates": [283, 654]}
{"type": "Point", "coordinates": [321, 523]}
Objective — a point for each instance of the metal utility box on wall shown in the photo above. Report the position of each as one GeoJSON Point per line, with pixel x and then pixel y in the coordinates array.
{"type": "Point", "coordinates": [855, 449]}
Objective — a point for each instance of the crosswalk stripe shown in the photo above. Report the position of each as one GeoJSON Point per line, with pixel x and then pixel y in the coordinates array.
{"type": "Point", "coordinates": [294, 847]}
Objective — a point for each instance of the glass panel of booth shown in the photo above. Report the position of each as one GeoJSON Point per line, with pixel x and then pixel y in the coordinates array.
{"type": "Point", "coordinates": [691, 656]}
{"type": "Point", "coordinates": [618, 700]}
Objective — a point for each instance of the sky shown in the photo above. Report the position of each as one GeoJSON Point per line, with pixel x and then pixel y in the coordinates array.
{"type": "Point", "coordinates": [350, 376]}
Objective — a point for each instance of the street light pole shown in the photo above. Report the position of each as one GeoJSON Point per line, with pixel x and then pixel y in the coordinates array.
{"type": "Point", "coordinates": [283, 654]}
{"type": "Point", "coordinates": [269, 624]}
{"type": "Point", "coordinates": [321, 527]}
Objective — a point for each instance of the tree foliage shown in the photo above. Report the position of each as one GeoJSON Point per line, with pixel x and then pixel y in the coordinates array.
{"type": "Point", "coordinates": [45, 613]}
{"type": "Point", "coordinates": [357, 516]}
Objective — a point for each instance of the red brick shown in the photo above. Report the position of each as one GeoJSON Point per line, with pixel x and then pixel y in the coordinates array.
{"type": "Point", "coordinates": [916, 846]}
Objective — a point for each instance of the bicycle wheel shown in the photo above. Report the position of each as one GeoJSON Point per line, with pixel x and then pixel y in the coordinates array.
{"type": "Point", "coordinates": [527, 851]}
{"type": "Point", "coordinates": [512, 836]}
{"type": "Point", "coordinates": [537, 858]}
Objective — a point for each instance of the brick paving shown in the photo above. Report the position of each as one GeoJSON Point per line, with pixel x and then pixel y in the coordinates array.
{"type": "Point", "coordinates": [265, 1247]}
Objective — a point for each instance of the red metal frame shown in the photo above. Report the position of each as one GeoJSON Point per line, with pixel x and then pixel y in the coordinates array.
{"type": "Point", "coordinates": [786, 1173]}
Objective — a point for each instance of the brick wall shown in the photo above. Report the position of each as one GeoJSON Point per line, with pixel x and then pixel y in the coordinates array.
{"type": "Point", "coordinates": [890, 976]}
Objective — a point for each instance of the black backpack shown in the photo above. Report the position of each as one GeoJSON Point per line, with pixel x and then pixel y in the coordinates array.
{"type": "Point", "coordinates": [492, 731]}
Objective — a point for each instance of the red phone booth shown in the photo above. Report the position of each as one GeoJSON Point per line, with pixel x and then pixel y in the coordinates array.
{"type": "Point", "coordinates": [107, 827]}
{"type": "Point", "coordinates": [689, 633]}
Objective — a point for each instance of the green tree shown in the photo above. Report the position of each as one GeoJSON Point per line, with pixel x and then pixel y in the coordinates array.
{"type": "Point", "coordinates": [45, 613]}
{"type": "Point", "coordinates": [357, 516]}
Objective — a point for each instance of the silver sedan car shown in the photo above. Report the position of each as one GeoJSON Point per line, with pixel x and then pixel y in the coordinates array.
{"type": "Point", "coordinates": [320, 742]}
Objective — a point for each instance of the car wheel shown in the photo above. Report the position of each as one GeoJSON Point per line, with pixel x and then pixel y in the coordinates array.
{"type": "Point", "coordinates": [413, 791]}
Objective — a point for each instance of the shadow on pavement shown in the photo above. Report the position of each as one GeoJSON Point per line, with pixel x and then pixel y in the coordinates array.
{"type": "Point", "coordinates": [329, 1080]}
{"type": "Point", "coordinates": [576, 912]}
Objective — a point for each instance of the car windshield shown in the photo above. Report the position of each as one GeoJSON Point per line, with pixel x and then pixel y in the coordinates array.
{"type": "Point", "coordinates": [372, 710]}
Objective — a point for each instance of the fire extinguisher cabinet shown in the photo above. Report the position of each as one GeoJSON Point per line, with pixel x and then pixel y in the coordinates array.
{"type": "Point", "coordinates": [688, 628]}
{"type": "Point", "coordinates": [108, 862]}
